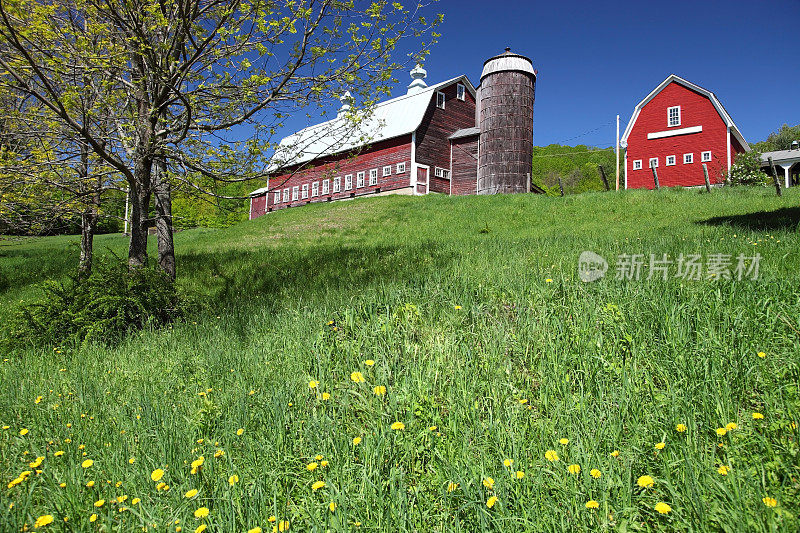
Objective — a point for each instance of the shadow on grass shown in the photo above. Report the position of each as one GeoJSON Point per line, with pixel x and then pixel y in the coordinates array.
{"type": "Point", "coordinates": [785, 218]}
{"type": "Point", "coordinates": [236, 277]}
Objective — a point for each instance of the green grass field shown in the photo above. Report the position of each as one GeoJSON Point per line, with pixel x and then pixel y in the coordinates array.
{"type": "Point", "coordinates": [470, 313]}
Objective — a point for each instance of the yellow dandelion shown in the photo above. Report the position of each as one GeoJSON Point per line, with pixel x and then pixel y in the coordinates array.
{"type": "Point", "coordinates": [135, 501]}
{"type": "Point", "coordinates": [122, 498]}
{"type": "Point", "coordinates": [397, 426]}
{"type": "Point", "coordinates": [219, 453]}
{"type": "Point", "coordinates": [491, 501]}
{"type": "Point", "coordinates": [358, 377]}
{"type": "Point", "coordinates": [379, 390]}
{"type": "Point", "coordinates": [433, 428]}
{"type": "Point", "coordinates": [508, 462]}
{"type": "Point", "coordinates": [323, 463]}
{"type": "Point", "coordinates": [99, 503]}
{"type": "Point", "coordinates": [272, 519]}
{"type": "Point", "coordinates": [563, 441]}
{"type": "Point", "coordinates": [660, 445]}
{"type": "Point", "coordinates": [93, 517]}
{"type": "Point", "coordinates": [592, 504]}
{"type": "Point", "coordinates": [662, 508]}
{"type": "Point", "coordinates": [615, 453]}
{"type": "Point", "coordinates": [157, 474]}
{"type": "Point", "coordinates": [548, 280]}
{"type": "Point", "coordinates": [311, 467]}
{"type": "Point", "coordinates": [38, 400]}
{"type": "Point", "coordinates": [161, 485]}
{"type": "Point", "coordinates": [200, 528]}
{"type": "Point", "coordinates": [191, 493]}
{"type": "Point", "coordinates": [595, 473]}
{"type": "Point", "coordinates": [317, 485]}
{"type": "Point", "coordinates": [87, 463]}
{"type": "Point", "coordinates": [551, 456]}
{"type": "Point", "coordinates": [757, 416]}
{"type": "Point", "coordinates": [313, 384]}
{"type": "Point", "coordinates": [43, 521]}
{"type": "Point", "coordinates": [356, 441]}
{"type": "Point", "coordinates": [131, 460]}
{"type": "Point", "coordinates": [520, 474]}
{"type": "Point", "coordinates": [202, 512]}
{"type": "Point", "coordinates": [326, 396]}
{"type": "Point", "coordinates": [645, 482]}
{"type": "Point", "coordinates": [332, 507]}
{"type": "Point", "coordinates": [762, 355]}
{"type": "Point", "coordinates": [456, 307]}
{"type": "Point", "coordinates": [451, 486]}
{"type": "Point", "coordinates": [23, 431]}
{"type": "Point", "coordinates": [731, 426]}
{"type": "Point", "coordinates": [723, 470]}
{"type": "Point", "coordinates": [369, 362]}
{"type": "Point", "coordinates": [680, 428]}
{"type": "Point", "coordinates": [721, 432]}
{"type": "Point", "coordinates": [769, 502]}
{"type": "Point", "coordinates": [254, 530]}
{"type": "Point", "coordinates": [239, 432]}
{"type": "Point", "coordinates": [283, 525]}
{"type": "Point", "coordinates": [574, 469]}
{"type": "Point", "coordinates": [233, 480]}
{"type": "Point", "coordinates": [319, 457]}
{"type": "Point", "coordinates": [62, 485]}
{"type": "Point", "coordinates": [90, 483]}
{"type": "Point", "coordinates": [36, 462]}
{"type": "Point", "coordinates": [488, 483]}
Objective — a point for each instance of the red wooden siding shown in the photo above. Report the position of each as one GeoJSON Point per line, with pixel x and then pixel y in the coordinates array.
{"type": "Point", "coordinates": [389, 152]}
{"type": "Point", "coordinates": [696, 110]}
{"type": "Point", "coordinates": [465, 165]}
{"type": "Point", "coordinates": [433, 144]}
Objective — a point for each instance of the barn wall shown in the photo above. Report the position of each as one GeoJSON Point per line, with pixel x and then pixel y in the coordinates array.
{"type": "Point", "coordinates": [433, 144]}
{"type": "Point", "coordinates": [465, 165]}
{"type": "Point", "coordinates": [696, 110]}
{"type": "Point", "coordinates": [389, 152]}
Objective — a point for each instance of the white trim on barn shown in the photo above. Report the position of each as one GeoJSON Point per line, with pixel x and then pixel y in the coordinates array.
{"type": "Point", "coordinates": [672, 133]}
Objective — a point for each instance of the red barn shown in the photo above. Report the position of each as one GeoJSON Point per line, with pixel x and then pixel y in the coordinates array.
{"type": "Point", "coordinates": [447, 138]}
{"type": "Point", "coordinates": [676, 128]}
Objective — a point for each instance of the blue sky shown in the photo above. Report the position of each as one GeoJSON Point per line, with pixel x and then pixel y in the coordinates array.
{"type": "Point", "coordinates": [597, 60]}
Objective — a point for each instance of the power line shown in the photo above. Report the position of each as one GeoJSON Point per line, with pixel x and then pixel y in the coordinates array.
{"type": "Point", "coordinates": [576, 153]}
{"type": "Point", "coordinates": [587, 132]}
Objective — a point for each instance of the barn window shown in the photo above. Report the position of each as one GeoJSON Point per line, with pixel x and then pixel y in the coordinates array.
{"type": "Point", "coordinates": [670, 160]}
{"type": "Point", "coordinates": [304, 191]}
{"type": "Point", "coordinates": [441, 172]}
{"type": "Point", "coordinates": [286, 194]}
{"type": "Point", "coordinates": [348, 182]}
{"type": "Point", "coordinates": [387, 170]}
{"type": "Point", "coordinates": [295, 192]}
{"type": "Point", "coordinates": [315, 189]}
{"type": "Point", "coordinates": [705, 157]}
{"type": "Point", "coordinates": [277, 198]}
{"type": "Point", "coordinates": [637, 164]}
{"type": "Point", "coordinates": [373, 176]}
{"type": "Point", "coordinates": [688, 158]}
{"type": "Point", "coordinates": [440, 100]}
{"type": "Point", "coordinates": [653, 162]}
{"type": "Point", "coordinates": [337, 184]}
{"type": "Point", "coordinates": [674, 116]}
{"type": "Point", "coordinates": [360, 179]}
{"type": "Point", "coordinates": [401, 167]}
{"type": "Point", "coordinates": [461, 91]}
{"type": "Point", "coordinates": [326, 184]}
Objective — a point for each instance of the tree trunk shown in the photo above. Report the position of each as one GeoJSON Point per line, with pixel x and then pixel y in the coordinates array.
{"type": "Point", "coordinates": [163, 202]}
{"type": "Point", "coordinates": [88, 218]}
{"type": "Point", "coordinates": [140, 206]}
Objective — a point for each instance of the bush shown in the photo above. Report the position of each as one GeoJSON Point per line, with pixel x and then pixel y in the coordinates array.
{"type": "Point", "coordinates": [112, 302]}
{"type": "Point", "coordinates": [746, 170]}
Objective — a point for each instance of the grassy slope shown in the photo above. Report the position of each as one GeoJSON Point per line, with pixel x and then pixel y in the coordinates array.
{"type": "Point", "coordinates": [608, 365]}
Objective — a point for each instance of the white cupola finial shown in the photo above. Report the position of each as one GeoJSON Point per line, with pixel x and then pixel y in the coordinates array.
{"type": "Point", "coordinates": [347, 102]}
{"type": "Point", "coordinates": [418, 74]}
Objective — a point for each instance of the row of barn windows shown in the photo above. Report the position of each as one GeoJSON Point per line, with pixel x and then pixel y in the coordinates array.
{"type": "Point", "coordinates": [671, 159]}
{"type": "Point", "coordinates": [461, 94]}
{"type": "Point", "coordinates": [299, 192]}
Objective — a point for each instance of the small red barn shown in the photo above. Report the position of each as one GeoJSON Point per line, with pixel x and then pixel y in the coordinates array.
{"type": "Point", "coordinates": [677, 128]}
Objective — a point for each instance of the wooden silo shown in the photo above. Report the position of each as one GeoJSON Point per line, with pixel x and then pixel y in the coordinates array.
{"type": "Point", "coordinates": [505, 103]}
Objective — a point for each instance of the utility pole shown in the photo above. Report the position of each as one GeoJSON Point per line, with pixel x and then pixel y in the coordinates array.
{"type": "Point", "coordinates": [617, 167]}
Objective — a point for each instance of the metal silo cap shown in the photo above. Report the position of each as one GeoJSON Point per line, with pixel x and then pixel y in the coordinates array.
{"type": "Point", "coordinates": [508, 61]}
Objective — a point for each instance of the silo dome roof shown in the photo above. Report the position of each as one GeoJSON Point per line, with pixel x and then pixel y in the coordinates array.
{"type": "Point", "coordinates": [508, 61]}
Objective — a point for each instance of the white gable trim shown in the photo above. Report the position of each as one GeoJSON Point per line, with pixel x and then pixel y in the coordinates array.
{"type": "Point", "coordinates": [726, 118]}
{"type": "Point", "coordinates": [672, 133]}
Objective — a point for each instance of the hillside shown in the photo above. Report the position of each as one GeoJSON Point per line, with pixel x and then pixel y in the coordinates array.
{"type": "Point", "coordinates": [470, 313]}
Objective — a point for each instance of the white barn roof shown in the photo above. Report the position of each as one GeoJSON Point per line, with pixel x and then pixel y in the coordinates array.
{"type": "Point", "coordinates": [726, 118]}
{"type": "Point", "coordinates": [393, 118]}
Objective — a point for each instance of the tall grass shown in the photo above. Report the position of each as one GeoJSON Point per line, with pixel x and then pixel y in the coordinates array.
{"type": "Point", "coordinates": [483, 359]}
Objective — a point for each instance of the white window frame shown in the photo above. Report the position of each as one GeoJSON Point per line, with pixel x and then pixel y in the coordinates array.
{"type": "Point", "coordinates": [637, 164]}
{"type": "Point", "coordinates": [348, 182]}
{"type": "Point", "coordinates": [441, 172]}
{"type": "Point", "coordinates": [373, 176]}
{"type": "Point", "coordinates": [315, 189]}
{"type": "Point", "coordinates": [670, 124]}
{"type": "Point", "coordinates": [401, 167]}
{"type": "Point", "coordinates": [440, 99]}
{"type": "Point", "coordinates": [461, 92]}
{"type": "Point", "coordinates": [337, 184]}
{"type": "Point", "coordinates": [276, 199]}
{"type": "Point", "coordinates": [387, 170]}
{"type": "Point", "coordinates": [295, 193]}
{"type": "Point", "coordinates": [304, 191]}
{"type": "Point", "coordinates": [705, 157]}
{"type": "Point", "coordinates": [670, 162]}
{"type": "Point", "coordinates": [286, 194]}
{"type": "Point", "coordinates": [688, 159]}
{"type": "Point", "coordinates": [653, 162]}
{"type": "Point", "coordinates": [326, 186]}
{"type": "Point", "coordinates": [359, 179]}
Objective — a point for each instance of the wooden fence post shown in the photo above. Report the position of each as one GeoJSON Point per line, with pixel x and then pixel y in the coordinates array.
{"type": "Point", "coordinates": [560, 186]}
{"type": "Point", "coordinates": [655, 178]}
{"type": "Point", "coordinates": [775, 176]}
{"type": "Point", "coordinates": [603, 177]}
{"type": "Point", "coordinates": [705, 173]}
